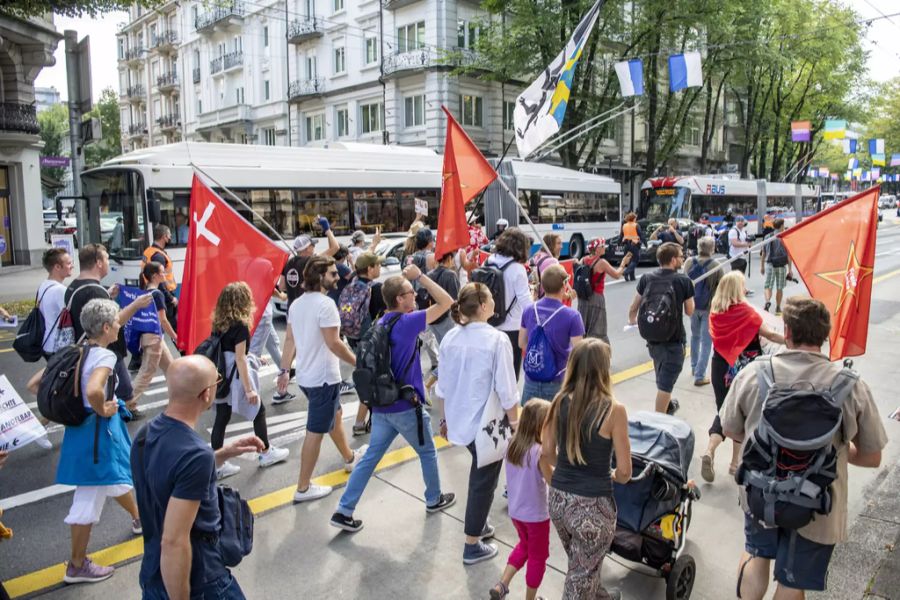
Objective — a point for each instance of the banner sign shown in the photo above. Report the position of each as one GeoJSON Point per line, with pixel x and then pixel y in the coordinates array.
{"type": "Point", "coordinates": [63, 240]}
{"type": "Point", "coordinates": [53, 162]}
{"type": "Point", "coordinates": [146, 320]}
{"type": "Point", "coordinates": [18, 425]}
{"type": "Point", "coordinates": [421, 207]}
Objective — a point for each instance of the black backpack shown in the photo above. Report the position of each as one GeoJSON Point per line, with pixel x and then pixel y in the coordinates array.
{"type": "Point", "coordinates": [29, 342]}
{"type": "Point", "coordinates": [211, 348]}
{"type": "Point", "coordinates": [659, 315]}
{"type": "Point", "coordinates": [59, 392]}
{"type": "Point", "coordinates": [375, 383]}
{"type": "Point", "coordinates": [582, 281]}
{"type": "Point", "coordinates": [789, 461]}
{"type": "Point", "coordinates": [776, 253]}
{"type": "Point", "coordinates": [492, 276]}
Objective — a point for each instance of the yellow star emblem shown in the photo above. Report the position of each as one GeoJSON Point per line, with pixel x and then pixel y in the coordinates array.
{"type": "Point", "coordinates": [849, 278]}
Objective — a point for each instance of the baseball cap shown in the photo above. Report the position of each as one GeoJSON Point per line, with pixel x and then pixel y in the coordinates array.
{"type": "Point", "coordinates": [302, 242]}
{"type": "Point", "coordinates": [358, 236]}
{"type": "Point", "coordinates": [740, 219]}
{"type": "Point", "coordinates": [368, 259]}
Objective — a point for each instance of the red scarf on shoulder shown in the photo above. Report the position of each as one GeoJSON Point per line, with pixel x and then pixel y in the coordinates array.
{"type": "Point", "coordinates": [733, 330]}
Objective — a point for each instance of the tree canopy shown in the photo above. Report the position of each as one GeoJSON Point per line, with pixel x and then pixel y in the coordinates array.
{"type": "Point", "coordinates": [70, 8]}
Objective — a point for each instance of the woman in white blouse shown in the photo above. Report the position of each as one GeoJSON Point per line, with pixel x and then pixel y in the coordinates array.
{"type": "Point", "coordinates": [513, 246]}
{"type": "Point", "coordinates": [476, 363]}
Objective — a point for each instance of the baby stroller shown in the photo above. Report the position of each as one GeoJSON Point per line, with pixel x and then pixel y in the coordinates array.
{"type": "Point", "coordinates": [654, 508]}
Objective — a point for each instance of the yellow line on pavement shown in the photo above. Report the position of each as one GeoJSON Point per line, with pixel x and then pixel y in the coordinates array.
{"type": "Point", "coordinates": [881, 278]}
{"type": "Point", "coordinates": [126, 551]}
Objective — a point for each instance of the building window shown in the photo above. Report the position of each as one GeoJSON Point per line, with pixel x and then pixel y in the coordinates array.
{"type": "Point", "coordinates": [340, 66]}
{"type": "Point", "coordinates": [342, 116]}
{"type": "Point", "coordinates": [471, 108]}
{"type": "Point", "coordinates": [268, 136]}
{"type": "Point", "coordinates": [508, 110]}
{"type": "Point", "coordinates": [239, 95]}
{"type": "Point", "coordinates": [466, 33]}
{"type": "Point", "coordinates": [266, 38]}
{"type": "Point", "coordinates": [311, 70]}
{"type": "Point", "coordinates": [315, 128]}
{"type": "Point", "coordinates": [690, 134]}
{"type": "Point", "coordinates": [121, 46]}
{"type": "Point", "coordinates": [370, 117]}
{"type": "Point", "coordinates": [337, 6]}
{"type": "Point", "coordinates": [371, 50]}
{"type": "Point", "coordinates": [199, 106]}
{"type": "Point", "coordinates": [411, 37]}
{"type": "Point", "coordinates": [414, 111]}
{"type": "Point", "coordinates": [266, 90]}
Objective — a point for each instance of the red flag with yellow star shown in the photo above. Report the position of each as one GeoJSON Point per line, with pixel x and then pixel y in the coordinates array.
{"type": "Point", "coordinates": [465, 174]}
{"type": "Point", "coordinates": [834, 253]}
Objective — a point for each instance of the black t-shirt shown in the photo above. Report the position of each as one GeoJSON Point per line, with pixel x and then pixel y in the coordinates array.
{"type": "Point", "coordinates": [236, 334]}
{"type": "Point", "coordinates": [293, 277]}
{"type": "Point", "coordinates": [684, 289]}
{"type": "Point", "coordinates": [345, 276]}
{"type": "Point", "coordinates": [667, 236]}
{"type": "Point", "coordinates": [94, 290]}
{"type": "Point", "coordinates": [376, 302]}
{"type": "Point", "coordinates": [448, 280]}
{"type": "Point", "coordinates": [159, 299]}
{"type": "Point", "coordinates": [176, 463]}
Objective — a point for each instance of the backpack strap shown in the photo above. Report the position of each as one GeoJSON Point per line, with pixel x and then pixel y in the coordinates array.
{"type": "Point", "coordinates": [537, 317]}
{"type": "Point", "coordinates": [765, 376]}
{"type": "Point", "coordinates": [842, 385]}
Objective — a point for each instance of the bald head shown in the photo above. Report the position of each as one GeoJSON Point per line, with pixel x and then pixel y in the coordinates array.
{"type": "Point", "coordinates": [188, 377]}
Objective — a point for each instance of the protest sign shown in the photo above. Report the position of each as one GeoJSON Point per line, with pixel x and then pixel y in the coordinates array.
{"type": "Point", "coordinates": [146, 320]}
{"type": "Point", "coordinates": [18, 425]}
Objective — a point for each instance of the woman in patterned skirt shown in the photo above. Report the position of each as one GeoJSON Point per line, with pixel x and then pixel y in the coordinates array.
{"type": "Point", "coordinates": [584, 426]}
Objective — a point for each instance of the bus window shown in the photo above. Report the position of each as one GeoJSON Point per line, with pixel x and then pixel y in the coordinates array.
{"type": "Point", "coordinates": [332, 204]}
{"type": "Point", "coordinates": [661, 204]}
{"type": "Point", "coordinates": [373, 209]}
{"type": "Point", "coordinates": [173, 209]}
{"type": "Point", "coordinates": [117, 198]}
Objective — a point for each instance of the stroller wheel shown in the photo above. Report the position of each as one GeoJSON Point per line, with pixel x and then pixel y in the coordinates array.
{"type": "Point", "coordinates": [680, 581]}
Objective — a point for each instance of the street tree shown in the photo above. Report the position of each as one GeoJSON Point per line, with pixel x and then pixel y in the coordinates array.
{"type": "Point", "coordinates": [54, 124]}
{"type": "Point", "coordinates": [70, 8]}
{"type": "Point", "coordinates": [110, 145]}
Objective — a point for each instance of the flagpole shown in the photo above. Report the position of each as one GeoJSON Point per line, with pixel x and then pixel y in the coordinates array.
{"type": "Point", "coordinates": [245, 205]}
{"type": "Point", "coordinates": [497, 168]}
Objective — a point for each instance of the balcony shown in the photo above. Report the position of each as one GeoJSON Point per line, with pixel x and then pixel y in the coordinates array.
{"type": "Point", "coordinates": [168, 82]}
{"type": "Point", "coordinates": [395, 4]}
{"type": "Point", "coordinates": [169, 122]}
{"type": "Point", "coordinates": [226, 62]}
{"type": "Point", "coordinates": [227, 118]}
{"type": "Point", "coordinates": [428, 58]}
{"type": "Point", "coordinates": [303, 89]}
{"type": "Point", "coordinates": [304, 29]}
{"type": "Point", "coordinates": [17, 117]}
{"type": "Point", "coordinates": [196, 74]}
{"type": "Point", "coordinates": [134, 55]}
{"type": "Point", "coordinates": [136, 93]}
{"type": "Point", "coordinates": [165, 41]}
{"type": "Point", "coordinates": [222, 17]}
{"type": "Point", "coordinates": [137, 130]}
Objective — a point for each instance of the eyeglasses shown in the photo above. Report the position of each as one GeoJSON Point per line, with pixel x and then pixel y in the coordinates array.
{"type": "Point", "coordinates": [407, 293]}
{"type": "Point", "coordinates": [333, 273]}
{"type": "Point", "coordinates": [219, 379]}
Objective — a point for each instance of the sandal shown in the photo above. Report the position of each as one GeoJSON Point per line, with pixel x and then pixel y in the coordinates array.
{"type": "Point", "coordinates": [502, 593]}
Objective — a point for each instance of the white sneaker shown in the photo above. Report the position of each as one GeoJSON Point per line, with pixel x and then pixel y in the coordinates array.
{"type": "Point", "coordinates": [273, 456]}
{"type": "Point", "coordinates": [227, 470]}
{"type": "Point", "coordinates": [357, 455]}
{"type": "Point", "coordinates": [313, 492]}
{"type": "Point", "coordinates": [44, 442]}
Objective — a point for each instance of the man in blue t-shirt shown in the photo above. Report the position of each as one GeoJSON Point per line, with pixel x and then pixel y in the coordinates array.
{"type": "Point", "coordinates": [407, 416]}
{"type": "Point", "coordinates": [562, 326]}
{"type": "Point", "coordinates": [175, 482]}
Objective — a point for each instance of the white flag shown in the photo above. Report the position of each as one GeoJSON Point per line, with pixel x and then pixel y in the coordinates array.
{"type": "Point", "coordinates": [541, 107]}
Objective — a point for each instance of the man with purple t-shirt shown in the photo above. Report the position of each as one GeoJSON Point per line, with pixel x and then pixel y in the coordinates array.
{"type": "Point", "coordinates": [406, 417]}
{"type": "Point", "coordinates": [562, 326]}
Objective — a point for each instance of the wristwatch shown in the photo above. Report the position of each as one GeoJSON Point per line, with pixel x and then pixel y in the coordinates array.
{"type": "Point", "coordinates": [283, 371]}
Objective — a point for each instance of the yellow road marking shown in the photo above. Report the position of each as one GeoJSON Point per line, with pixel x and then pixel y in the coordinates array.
{"type": "Point", "coordinates": [886, 276]}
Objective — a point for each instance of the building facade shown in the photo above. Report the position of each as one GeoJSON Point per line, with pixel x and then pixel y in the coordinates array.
{"type": "Point", "coordinates": [45, 97]}
{"type": "Point", "coordinates": [26, 47]}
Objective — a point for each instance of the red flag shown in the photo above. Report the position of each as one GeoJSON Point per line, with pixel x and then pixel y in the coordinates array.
{"type": "Point", "coordinates": [465, 174]}
{"type": "Point", "coordinates": [834, 252]}
{"type": "Point", "coordinates": [222, 248]}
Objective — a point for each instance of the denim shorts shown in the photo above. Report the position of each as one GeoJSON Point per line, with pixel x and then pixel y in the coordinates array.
{"type": "Point", "coordinates": [538, 389]}
{"type": "Point", "coordinates": [810, 559]}
{"type": "Point", "coordinates": [324, 403]}
{"type": "Point", "coordinates": [668, 359]}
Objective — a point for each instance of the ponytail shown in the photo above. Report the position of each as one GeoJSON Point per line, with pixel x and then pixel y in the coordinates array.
{"type": "Point", "coordinates": [471, 297]}
{"type": "Point", "coordinates": [147, 273]}
{"type": "Point", "coordinates": [456, 315]}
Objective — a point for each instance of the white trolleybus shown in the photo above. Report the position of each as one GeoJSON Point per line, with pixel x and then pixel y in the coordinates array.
{"type": "Point", "coordinates": [356, 186]}
{"type": "Point", "coordinates": [688, 197]}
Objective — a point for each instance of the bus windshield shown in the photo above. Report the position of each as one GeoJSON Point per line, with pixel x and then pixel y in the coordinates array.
{"type": "Point", "coordinates": [661, 204]}
{"type": "Point", "coordinates": [115, 211]}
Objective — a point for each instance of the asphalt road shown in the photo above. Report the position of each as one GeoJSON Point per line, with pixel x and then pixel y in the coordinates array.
{"type": "Point", "coordinates": [35, 507]}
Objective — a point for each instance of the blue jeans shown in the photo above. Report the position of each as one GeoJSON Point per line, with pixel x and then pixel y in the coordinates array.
{"type": "Point", "coordinates": [386, 427]}
{"type": "Point", "coordinates": [224, 588]}
{"type": "Point", "coordinates": [701, 343]}
{"type": "Point", "coordinates": [539, 389]}
{"type": "Point", "coordinates": [265, 337]}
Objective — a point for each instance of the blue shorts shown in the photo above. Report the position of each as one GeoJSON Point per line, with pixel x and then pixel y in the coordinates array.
{"type": "Point", "coordinates": [324, 403]}
{"type": "Point", "coordinates": [810, 559]}
{"type": "Point", "coordinates": [668, 359]}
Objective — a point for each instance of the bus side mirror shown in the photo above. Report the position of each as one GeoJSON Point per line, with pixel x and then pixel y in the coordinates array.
{"type": "Point", "coordinates": [153, 211]}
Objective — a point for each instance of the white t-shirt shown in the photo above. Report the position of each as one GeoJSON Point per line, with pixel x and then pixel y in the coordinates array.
{"type": "Point", "coordinates": [515, 285]}
{"type": "Point", "coordinates": [316, 365]}
{"type": "Point", "coordinates": [355, 251]}
{"type": "Point", "coordinates": [97, 357]}
{"type": "Point", "coordinates": [52, 297]}
{"type": "Point", "coordinates": [735, 234]}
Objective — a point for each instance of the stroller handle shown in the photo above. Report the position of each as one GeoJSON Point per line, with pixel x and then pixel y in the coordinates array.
{"type": "Point", "coordinates": [648, 469]}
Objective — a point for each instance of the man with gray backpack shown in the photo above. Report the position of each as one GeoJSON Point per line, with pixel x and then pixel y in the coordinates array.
{"type": "Point", "coordinates": [803, 419]}
{"type": "Point", "coordinates": [775, 264]}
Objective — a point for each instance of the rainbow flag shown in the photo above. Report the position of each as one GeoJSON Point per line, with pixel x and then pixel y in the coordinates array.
{"type": "Point", "coordinates": [835, 129]}
{"type": "Point", "coordinates": [800, 131]}
{"type": "Point", "coordinates": [895, 160]}
{"type": "Point", "coordinates": [879, 160]}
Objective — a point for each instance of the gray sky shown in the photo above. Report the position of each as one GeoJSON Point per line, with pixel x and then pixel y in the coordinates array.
{"type": "Point", "coordinates": [882, 42]}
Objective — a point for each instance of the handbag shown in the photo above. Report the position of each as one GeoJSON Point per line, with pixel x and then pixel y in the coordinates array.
{"type": "Point", "coordinates": [494, 432]}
